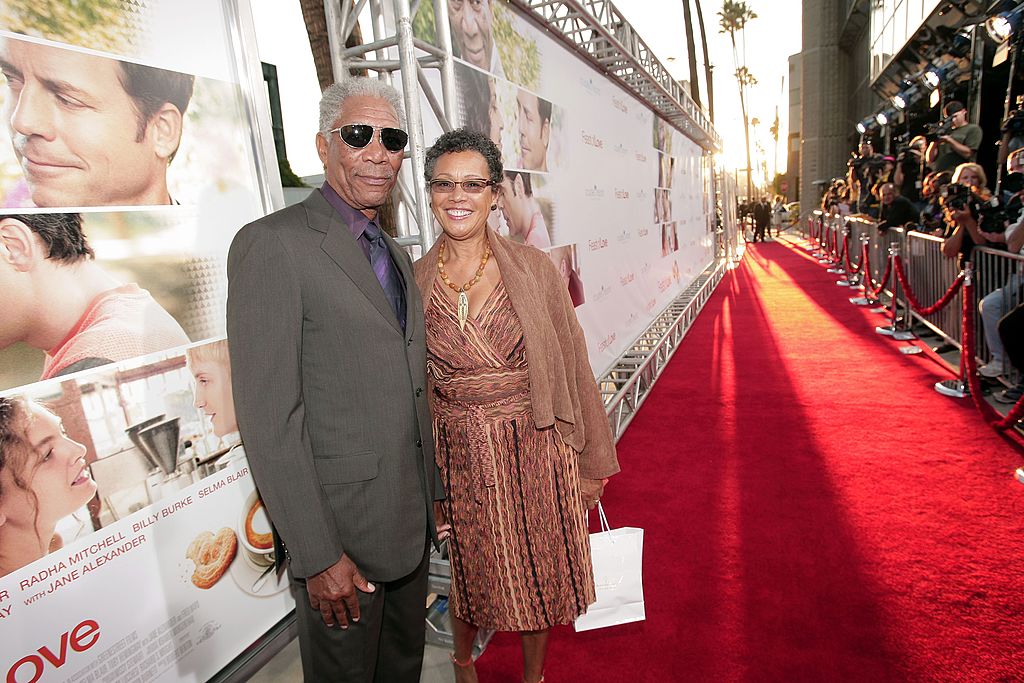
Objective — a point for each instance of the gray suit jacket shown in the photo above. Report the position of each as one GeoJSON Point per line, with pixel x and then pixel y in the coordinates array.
{"type": "Point", "coordinates": [330, 394]}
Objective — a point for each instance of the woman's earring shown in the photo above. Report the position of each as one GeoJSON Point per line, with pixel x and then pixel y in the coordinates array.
{"type": "Point", "coordinates": [494, 207]}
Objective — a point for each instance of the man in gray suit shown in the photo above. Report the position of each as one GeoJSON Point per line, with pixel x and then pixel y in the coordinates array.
{"type": "Point", "coordinates": [327, 348]}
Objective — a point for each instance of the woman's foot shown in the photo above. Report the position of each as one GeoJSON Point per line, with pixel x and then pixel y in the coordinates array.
{"type": "Point", "coordinates": [465, 671]}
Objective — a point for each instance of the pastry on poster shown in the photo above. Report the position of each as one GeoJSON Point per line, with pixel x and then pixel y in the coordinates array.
{"type": "Point", "coordinates": [212, 554]}
{"type": "Point", "coordinates": [87, 130]}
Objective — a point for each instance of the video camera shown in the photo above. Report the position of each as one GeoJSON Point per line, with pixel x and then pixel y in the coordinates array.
{"type": "Point", "coordinates": [933, 131]}
{"type": "Point", "coordinates": [866, 165]}
{"type": "Point", "coordinates": [990, 214]}
{"type": "Point", "coordinates": [1013, 123]}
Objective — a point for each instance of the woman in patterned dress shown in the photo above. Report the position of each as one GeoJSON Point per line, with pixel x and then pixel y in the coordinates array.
{"type": "Point", "coordinates": [523, 442]}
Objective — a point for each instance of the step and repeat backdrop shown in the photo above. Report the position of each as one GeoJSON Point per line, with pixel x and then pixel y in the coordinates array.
{"type": "Point", "coordinates": [133, 546]}
{"type": "Point", "coordinates": [621, 201]}
{"type": "Point", "coordinates": [135, 142]}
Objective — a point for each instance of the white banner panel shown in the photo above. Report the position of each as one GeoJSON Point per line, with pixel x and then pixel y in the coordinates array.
{"type": "Point", "coordinates": [621, 200]}
{"type": "Point", "coordinates": [133, 546]}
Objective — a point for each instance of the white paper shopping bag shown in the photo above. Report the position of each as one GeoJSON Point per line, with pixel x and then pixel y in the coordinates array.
{"type": "Point", "coordinates": [617, 555]}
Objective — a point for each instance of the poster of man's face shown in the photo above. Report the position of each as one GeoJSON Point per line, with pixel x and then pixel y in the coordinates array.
{"type": "Point", "coordinates": [472, 25]}
{"type": "Point", "coordinates": [662, 205]}
{"type": "Point", "coordinates": [87, 130]}
{"type": "Point", "coordinates": [564, 258]}
{"type": "Point", "coordinates": [665, 163]}
{"type": "Point", "coordinates": [669, 239]}
{"type": "Point", "coordinates": [533, 116]}
{"type": "Point", "coordinates": [487, 104]}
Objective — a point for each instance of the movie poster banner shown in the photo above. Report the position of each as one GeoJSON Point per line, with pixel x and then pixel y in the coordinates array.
{"type": "Point", "coordinates": [621, 200]}
{"type": "Point", "coordinates": [133, 544]}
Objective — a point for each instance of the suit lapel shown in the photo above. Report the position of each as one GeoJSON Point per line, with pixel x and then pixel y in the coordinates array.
{"type": "Point", "coordinates": [343, 249]}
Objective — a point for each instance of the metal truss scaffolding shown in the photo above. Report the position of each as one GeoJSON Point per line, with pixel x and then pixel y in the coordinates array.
{"type": "Point", "coordinates": [625, 386]}
{"type": "Point", "coordinates": [597, 31]}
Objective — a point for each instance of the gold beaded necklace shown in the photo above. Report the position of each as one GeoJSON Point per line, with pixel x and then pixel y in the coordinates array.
{"type": "Point", "coordinates": [463, 299]}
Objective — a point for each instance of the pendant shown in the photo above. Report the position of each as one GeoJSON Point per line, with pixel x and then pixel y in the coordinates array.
{"type": "Point", "coordinates": [463, 310]}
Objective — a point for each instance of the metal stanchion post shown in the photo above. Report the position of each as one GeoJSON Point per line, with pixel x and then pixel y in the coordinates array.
{"type": "Point", "coordinates": [959, 388]}
{"type": "Point", "coordinates": [837, 265]}
{"type": "Point", "coordinates": [900, 325]}
{"type": "Point", "coordinates": [864, 276]}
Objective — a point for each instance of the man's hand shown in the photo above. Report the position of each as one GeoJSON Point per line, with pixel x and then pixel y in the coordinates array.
{"type": "Point", "coordinates": [591, 491]}
{"type": "Point", "coordinates": [441, 522]}
{"type": "Point", "coordinates": [332, 592]}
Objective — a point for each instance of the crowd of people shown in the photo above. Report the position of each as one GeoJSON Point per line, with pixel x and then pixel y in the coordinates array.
{"type": "Point", "coordinates": [762, 216]}
{"type": "Point", "coordinates": [934, 185]}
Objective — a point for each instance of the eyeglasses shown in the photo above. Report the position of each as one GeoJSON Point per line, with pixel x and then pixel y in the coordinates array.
{"type": "Point", "coordinates": [472, 186]}
{"type": "Point", "coordinates": [359, 135]}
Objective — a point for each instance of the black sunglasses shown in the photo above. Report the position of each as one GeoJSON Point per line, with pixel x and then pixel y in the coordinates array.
{"type": "Point", "coordinates": [359, 135]}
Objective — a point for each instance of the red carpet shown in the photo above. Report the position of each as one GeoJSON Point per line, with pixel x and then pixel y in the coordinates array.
{"type": "Point", "coordinates": [813, 509]}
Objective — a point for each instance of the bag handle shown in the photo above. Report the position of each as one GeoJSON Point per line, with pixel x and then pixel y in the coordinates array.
{"type": "Point", "coordinates": [603, 518]}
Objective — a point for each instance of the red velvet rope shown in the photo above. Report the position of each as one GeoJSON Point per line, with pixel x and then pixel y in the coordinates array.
{"type": "Point", "coordinates": [869, 286]}
{"type": "Point", "coordinates": [850, 268]}
{"type": "Point", "coordinates": [912, 300]}
{"type": "Point", "coordinates": [968, 366]}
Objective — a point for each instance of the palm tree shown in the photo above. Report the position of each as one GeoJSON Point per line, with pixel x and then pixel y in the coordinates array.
{"type": "Point", "coordinates": [691, 53]}
{"type": "Point", "coordinates": [316, 29]}
{"type": "Point", "coordinates": [707, 62]}
{"type": "Point", "coordinates": [732, 19]}
{"type": "Point", "coordinates": [319, 43]}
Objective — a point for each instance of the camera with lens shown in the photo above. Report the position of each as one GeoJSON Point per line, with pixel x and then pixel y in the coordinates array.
{"type": "Point", "coordinates": [934, 131]}
{"type": "Point", "coordinates": [866, 165]}
{"type": "Point", "coordinates": [1013, 123]}
{"type": "Point", "coordinates": [990, 213]}
{"type": "Point", "coordinates": [956, 197]}
{"type": "Point", "coordinates": [1013, 182]}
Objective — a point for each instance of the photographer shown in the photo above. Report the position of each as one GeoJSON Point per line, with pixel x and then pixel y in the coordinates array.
{"type": "Point", "coordinates": [972, 217]}
{"type": "Point", "coordinates": [932, 220]}
{"type": "Point", "coordinates": [959, 144]}
{"type": "Point", "coordinates": [908, 169]}
{"type": "Point", "coordinates": [998, 302]}
{"type": "Point", "coordinates": [864, 170]}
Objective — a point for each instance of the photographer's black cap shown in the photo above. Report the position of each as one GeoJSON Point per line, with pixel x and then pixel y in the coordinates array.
{"type": "Point", "coordinates": [952, 107]}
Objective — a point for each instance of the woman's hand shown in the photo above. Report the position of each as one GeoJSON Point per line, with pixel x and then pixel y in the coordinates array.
{"type": "Point", "coordinates": [444, 529]}
{"type": "Point", "coordinates": [591, 491]}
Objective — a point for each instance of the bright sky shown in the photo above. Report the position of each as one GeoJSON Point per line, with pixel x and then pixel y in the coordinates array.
{"type": "Point", "coordinates": [771, 38]}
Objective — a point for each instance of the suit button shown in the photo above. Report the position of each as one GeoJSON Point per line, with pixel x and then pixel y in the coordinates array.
{"type": "Point", "coordinates": [419, 444]}
{"type": "Point", "coordinates": [419, 391]}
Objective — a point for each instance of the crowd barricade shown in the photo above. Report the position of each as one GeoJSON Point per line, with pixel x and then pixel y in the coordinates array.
{"type": "Point", "coordinates": [907, 270]}
{"type": "Point", "coordinates": [998, 277]}
{"type": "Point", "coordinates": [929, 276]}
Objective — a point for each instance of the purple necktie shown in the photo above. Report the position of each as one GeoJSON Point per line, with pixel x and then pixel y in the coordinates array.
{"type": "Point", "coordinates": [385, 270]}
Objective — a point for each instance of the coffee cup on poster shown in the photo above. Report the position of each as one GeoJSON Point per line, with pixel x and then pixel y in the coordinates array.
{"type": "Point", "coordinates": [254, 530]}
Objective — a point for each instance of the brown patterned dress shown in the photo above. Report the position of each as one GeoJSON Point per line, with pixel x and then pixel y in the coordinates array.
{"type": "Point", "coordinates": [519, 551]}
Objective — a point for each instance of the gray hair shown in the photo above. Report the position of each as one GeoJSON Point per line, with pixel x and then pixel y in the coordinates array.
{"type": "Point", "coordinates": [335, 95]}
